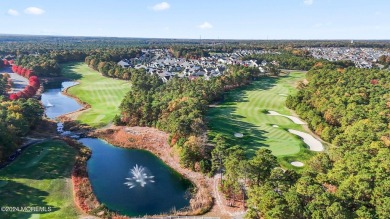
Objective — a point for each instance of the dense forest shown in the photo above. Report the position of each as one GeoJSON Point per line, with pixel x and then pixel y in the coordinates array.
{"type": "Point", "coordinates": [16, 120]}
{"type": "Point", "coordinates": [295, 60]}
{"type": "Point", "coordinates": [106, 61]}
{"type": "Point", "coordinates": [3, 84]}
{"type": "Point", "coordinates": [346, 106]}
{"type": "Point", "coordinates": [350, 108]}
{"type": "Point", "coordinates": [384, 60]}
{"type": "Point", "coordinates": [24, 44]}
{"type": "Point", "coordinates": [189, 52]}
{"type": "Point", "coordinates": [178, 107]}
{"type": "Point", "coordinates": [16, 117]}
{"type": "Point", "coordinates": [43, 54]}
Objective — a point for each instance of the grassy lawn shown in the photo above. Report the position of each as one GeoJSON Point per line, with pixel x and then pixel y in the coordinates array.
{"type": "Point", "coordinates": [245, 111]}
{"type": "Point", "coordinates": [102, 93]}
{"type": "Point", "coordinates": [40, 177]}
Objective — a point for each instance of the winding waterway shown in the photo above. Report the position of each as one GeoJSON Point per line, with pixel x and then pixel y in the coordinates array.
{"type": "Point", "coordinates": [131, 182]}
{"type": "Point", "coordinates": [56, 103]}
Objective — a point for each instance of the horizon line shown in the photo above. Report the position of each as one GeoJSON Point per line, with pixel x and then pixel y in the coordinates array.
{"type": "Point", "coordinates": [179, 38]}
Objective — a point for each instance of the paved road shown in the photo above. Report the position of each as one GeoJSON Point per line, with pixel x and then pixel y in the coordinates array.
{"type": "Point", "coordinates": [19, 82]}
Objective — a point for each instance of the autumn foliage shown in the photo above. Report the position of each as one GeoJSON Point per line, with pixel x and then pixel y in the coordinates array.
{"type": "Point", "coordinates": [31, 89]}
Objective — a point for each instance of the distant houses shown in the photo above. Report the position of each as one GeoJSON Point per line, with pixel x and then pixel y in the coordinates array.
{"type": "Point", "coordinates": [361, 57]}
{"type": "Point", "coordinates": [161, 63]}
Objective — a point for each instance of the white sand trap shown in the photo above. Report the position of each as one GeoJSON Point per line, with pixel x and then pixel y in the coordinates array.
{"type": "Point", "coordinates": [297, 164]}
{"type": "Point", "coordinates": [275, 126]}
{"type": "Point", "coordinates": [238, 135]}
{"type": "Point", "coordinates": [292, 118]}
{"type": "Point", "coordinates": [313, 143]}
{"type": "Point", "coordinates": [284, 95]}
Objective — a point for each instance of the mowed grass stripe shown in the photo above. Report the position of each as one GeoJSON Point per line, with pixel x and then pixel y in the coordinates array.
{"type": "Point", "coordinates": [102, 93]}
{"type": "Point", "coordinates": [242, 112]}
{"type": "Point", "coordinates": [40, 177]}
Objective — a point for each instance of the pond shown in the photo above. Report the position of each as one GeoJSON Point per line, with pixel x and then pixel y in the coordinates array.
{"type": "Point", "coordinates": [134, 182]}
{"type": "Point", "coordinates": [128, 181]}
{"type": "Point", "coordinates": [56, 103]}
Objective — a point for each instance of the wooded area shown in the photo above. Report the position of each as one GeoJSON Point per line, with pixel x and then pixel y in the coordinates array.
{"type": "Point", "coordinates": [346, 106]}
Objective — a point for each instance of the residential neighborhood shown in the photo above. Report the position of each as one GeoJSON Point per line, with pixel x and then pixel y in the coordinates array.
{"type": "Point", "coordinates": [162, 63]}
{"type": "Point", "coordinates": [362, 57]}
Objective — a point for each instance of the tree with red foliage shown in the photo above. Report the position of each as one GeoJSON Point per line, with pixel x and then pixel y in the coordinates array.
{"type": "Point", "coordinates": [33, 78]}
{"type": "Point", "coordinates": [29, 73]}
{"type": "Point", "coordinates": [29, 90]}
{"type": "Point", "coordinates": [20, 94]}
{"type": "Point", "coordinates": [25, 94]}
{"type": "Point", "coordinates": [14, 68]}
{"type": "Point", "coordinates": [5, 62]}
{"type": "Point", "coordinates": [23, 72]}
{"type": "Point", "coordinates": [19, 70]}
{"type": "Point", "coordinates": [35, 84]}
{"type": "Point", "coordinates": [13, 97]}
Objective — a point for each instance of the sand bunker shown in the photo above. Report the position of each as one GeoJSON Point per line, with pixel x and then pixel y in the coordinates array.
{"type": "Point", "coordinates": [238, 135]}
{"type": "Point", "coordinates": [292, 118]}
{"type": "Point", "coordinates": [297, 164]}
{"type": "Point", "coordinates": [314, 144]}
{"type": "Point", "coordinates": [275, 126]}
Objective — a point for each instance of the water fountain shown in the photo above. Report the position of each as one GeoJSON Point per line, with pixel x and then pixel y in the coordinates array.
{"type": "Point", "coordinates": [49, 104]}
{"type": "Point", "coordinates": [139, 176]}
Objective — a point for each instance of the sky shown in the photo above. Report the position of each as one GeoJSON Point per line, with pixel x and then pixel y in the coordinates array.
{"type": "Point", "coordinates": [208, 19]}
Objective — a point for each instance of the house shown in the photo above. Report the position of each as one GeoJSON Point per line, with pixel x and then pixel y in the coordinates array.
{"type": "Point", "coordinates": [139, 66]}
{"type": "Point", "coordinates": [124, 64]}
{"type": "Point", "coordinates": [165, 75]}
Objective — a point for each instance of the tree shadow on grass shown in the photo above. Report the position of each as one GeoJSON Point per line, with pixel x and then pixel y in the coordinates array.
{"type": "Point", "coordinates": [14, 194]}
{"type": "Point", "coordinates": [68, 72]}
{"type": "Point", "coordinates": [239, 94]}
{"type": "Point", "coordinates": [50, 160]}
{"type": "Point", "coordinates": [222, 119]}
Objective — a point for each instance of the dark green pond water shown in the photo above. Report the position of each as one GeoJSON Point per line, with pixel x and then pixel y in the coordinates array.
{"type": "Point", "coordinates": [109, 167]}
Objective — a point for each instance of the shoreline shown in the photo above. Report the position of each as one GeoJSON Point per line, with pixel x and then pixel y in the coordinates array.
{"type": "Point", "coordinates": [200, 203]}
{"type": "Point", "coordinates": [83, 196]}
{"type": "Point", "coordinates": [72, 116]}
{"type": "Point", "coordinates": [203, 201]}
{"type": "Point", "coordinates": [156, 142]}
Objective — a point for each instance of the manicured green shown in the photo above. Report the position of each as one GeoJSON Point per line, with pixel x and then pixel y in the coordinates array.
{"type": "Point", "coordinates": [102, 93]}
{"type": "Point", "coordinates": [244, 110]}
{"type": "Point", "coordinates": [40, 177]}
